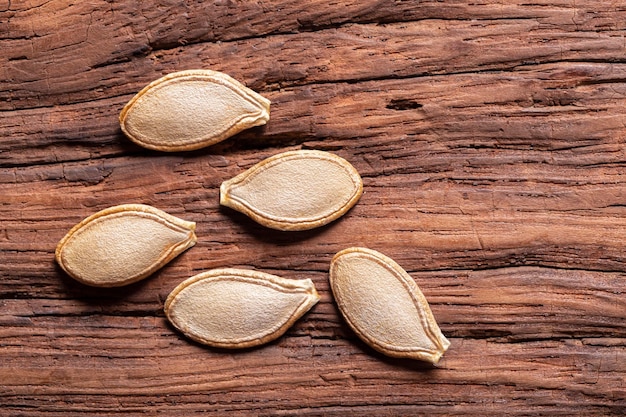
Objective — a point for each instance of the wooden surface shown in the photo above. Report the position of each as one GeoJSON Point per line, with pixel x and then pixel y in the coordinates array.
{"type": "Point", "coordinates": [491, 140]}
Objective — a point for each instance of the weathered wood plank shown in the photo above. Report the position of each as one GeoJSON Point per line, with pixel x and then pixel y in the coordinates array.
{"type": "Point", "coordinates": [314, 378]}
{"type": "Point", "coordinates": [490, 137]}
{"type": "Point", "coordinates": [106, 53]}
{"type": "Point", "coordinates": [556, 107]}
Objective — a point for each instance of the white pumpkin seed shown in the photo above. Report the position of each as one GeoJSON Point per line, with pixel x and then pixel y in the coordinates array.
{"type": "Point", "coordinates": [237, 308]}
{"type": "Point", "coordinates": [191, 109]}
{"type": "Point", "coordinates": [384, 306]}
{"type": "Point", "coordinates": [296, 190]}
{"type": "Point", "coordinates": [123, 244]}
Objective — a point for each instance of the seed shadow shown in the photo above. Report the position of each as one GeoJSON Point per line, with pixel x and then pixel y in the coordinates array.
{"type": "Point", "coordinates": [404, 363]}
{"type": "Point", "coordinates": [346, 333]}
{"type": "Point", "coordinates": [218, 350]}
{"type": "Point", "coordinates": [254, 138]}
{"type": "Point", "coordinates": [104, 300]}
{"type": "Point", "coordinates": [273, 236]}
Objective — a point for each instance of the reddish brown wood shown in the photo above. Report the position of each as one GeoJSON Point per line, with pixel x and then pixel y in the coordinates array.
{"type": "Point", "coordinates": [490, 137]}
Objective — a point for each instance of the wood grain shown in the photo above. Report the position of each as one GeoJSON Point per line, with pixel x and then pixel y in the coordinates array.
{"type": "Point", "coordinates": [490, 137]}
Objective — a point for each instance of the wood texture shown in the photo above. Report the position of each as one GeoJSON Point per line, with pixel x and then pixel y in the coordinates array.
{"type": "Point", "coordinates": [490, 137]}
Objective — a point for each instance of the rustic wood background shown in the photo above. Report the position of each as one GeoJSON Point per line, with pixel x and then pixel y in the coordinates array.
{"type": "Point", "coordinates": [491, 140]}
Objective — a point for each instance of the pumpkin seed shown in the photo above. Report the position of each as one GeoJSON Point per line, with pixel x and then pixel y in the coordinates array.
{"type": "Point", "coordinates": [384, 306]}
{"type": "Point", "coordinates": [123, 244]}
{"type": "Point", "coordinates": [296, 190]}
{"type": "Point", "coordinates": [237, 308]}
{"type": "Point", "coordinates": [191, 109]}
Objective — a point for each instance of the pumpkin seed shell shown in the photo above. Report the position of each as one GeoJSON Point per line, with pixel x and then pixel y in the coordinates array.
{"type": "Point", "coordinates": [384, 306]}
{"type": "Point", "coordinates": [191, 109]}
{"type": "Point", "coordinates": [296, 190]}
{"type": "Point", "coordinates": [123, 244]}
{"type": "Point", "coordinates": [237, 308]}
